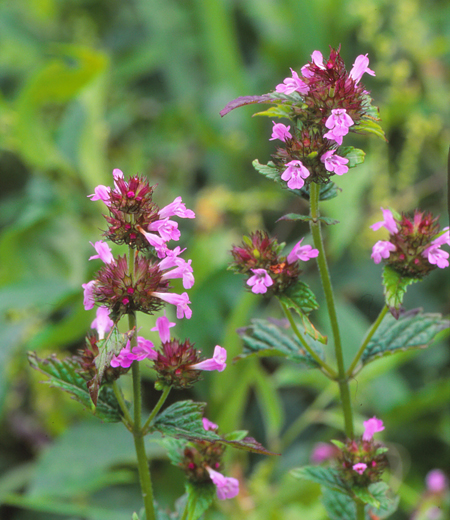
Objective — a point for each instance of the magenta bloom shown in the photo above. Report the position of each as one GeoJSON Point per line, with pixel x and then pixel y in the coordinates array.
{"type": "Point", "coordinates": [360, 66]}
{"type": "Point", "coordinates": [259, 281]}
{"type": "Point", "coordinates": [280, 132]}
{"type": "Point", "coordinates": [167, 229]}
{"type": "Point", "coordinates": [101, 193]}
{"type": "Point", "coordinates": [294, 84]}
{"type": "Point", "coordinates": [157, 242]}
{"type": "Point", "coordinates": [360, 467]}
{"type": "Point", "coordinates": [388, 222]}
{"type": "Point", "coordinates": [89, 300]}
{"type": "Point", "coordinates": [124, 359]}
{"type": "Point", "coordinates": [176, 208]}
{"type": "Point", "coordinates": [217, 362]}
{"type": "Point", "coordinates": [323, 451]}
{"type": "Point", "coordinates": [208, 425]}
{"type": "Point", "coordinates": [338, 122]}
{"type": "Point", "coordinates": [435, 255]}
{"type": "Point", "coordinates": [103, 252]}
{"type": "Point", "coordinates": [300, 252]}
{"type": "Point", "coordinates": [183, 270]}
{"type": "Point", "coordinates": [227, 487]}
{"type": "Point", "coordinates": [334, 163]}
{"type": "Point", "coordinates": [382, 249]}
{"type": "Point", "coordinates": [372, 426]}
{"type": "Point", "coordinates": [436, 481]}
{"type": "Point", "coordinates": [180, 300]}
{"type": "Point", "coordinates": [163, 326]}
{"type": "Point", "coordinates": [317, 59]}
{"type": "Point", "coordinates": [294, 174]}
{"type": "Point", "coordinates": [102, 322]}
{"type": "Point", "coordinates": [144, 350]}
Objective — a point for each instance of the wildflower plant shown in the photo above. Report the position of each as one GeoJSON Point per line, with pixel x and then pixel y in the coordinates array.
{"type": "Point", "coordinates": [320, 105]}
{"type": "Point", "coordinates": [139, 281]}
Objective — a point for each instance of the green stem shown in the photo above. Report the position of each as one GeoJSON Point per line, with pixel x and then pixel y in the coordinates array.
{"type": "Point", "coordinates": [129, 423]}
{"type": "Point", "coordinates": [364, 344]}
{"type": "Point", "coordinates": [328, 371]}
{"type": "Point", "coordinates": [329, 297]}
{"type": "Point", "coordinates": [143, 467]}
{"type": "Point", "coordinates": [185, 512]}
{"type": "Point", "coordinates": [155, 410]}
{"type": "Point", "coordinates": [360, 515]}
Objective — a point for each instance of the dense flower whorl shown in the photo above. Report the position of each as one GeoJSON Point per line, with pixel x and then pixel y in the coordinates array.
{"type": "Point", "coordinates": [414, 245]}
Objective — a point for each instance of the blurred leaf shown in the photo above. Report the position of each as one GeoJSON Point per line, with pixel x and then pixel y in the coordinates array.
{"type": "Point", "coordinates": [369, 126]}
{"type": "Point", "coordinates": [388, 502]}
{"type": "Point", "coordinates": [310, 329]}
{"type": "Point", "coordinates": [395, 286]}
{"type": "Point", "coordinates": [354, 155]}
{"type": "Point", "coordinates": [412, 330]}
{"type": "Point", "coordinates": [270, 402]}
{"type": "Point", "coordinates": [338, 505]}
{"type": "Point", "coordinates": [174, 448]}
{"type": "Point", "coordinates": [64, 375]}
{"type": "Point", "coordinates": [263, 338]}
{"type": "Point", "coordinates": [305, 218]}
{"type": "Point", "coordinates": [200, 497]}
{"type": "Point", "coordinates": [328, 477]}
{"type": "Point", "coordinates": [243, 101]}
{"type": "Point", "coordinates": [366, 496]}
{"type": "Point", "coordinates": [276, 111]}
{"type": "Point", "coordinates": [299, 297]}
{"type": "Point", "coordinates": [249, 444]}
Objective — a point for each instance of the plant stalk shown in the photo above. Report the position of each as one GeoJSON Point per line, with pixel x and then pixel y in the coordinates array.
{"type": "Point", "coordinates": [331, 306]}
{"type": "Point", "coordinates": [155, 410]}
{"type": "Point", "coordinates": [360, 515]}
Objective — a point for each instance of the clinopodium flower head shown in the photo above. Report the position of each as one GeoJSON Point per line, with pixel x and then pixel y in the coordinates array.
{"type": "Point", "coordinates": [413, 248]}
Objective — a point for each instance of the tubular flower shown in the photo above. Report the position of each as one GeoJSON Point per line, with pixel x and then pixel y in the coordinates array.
{"type": "Point", "coordinates": [280, 132]}
{"type": "Point", "coordinates": [227, 487]}
{"type": "Point", "coordinates": [372, 426]}
{"type": "Point", "coordinates": [103, 252]}
{"type": "Point", "coordinates": [413, 248]}
{"type": "Point", "coordinates": [360, 67]}
{"type": "Point", "coordinates": [338, 122]}
{"type": "Point", "coordinates": [303, 253]}
{"type": "Point", "coordinates": [294, 175]}
{"type": "Point", "coordinates": [360, 467]}
{"type": "Point", "coordinates": [217, 362]}
{"type": "Point", "coordinates": [334, 163]}
{"type": "Point", "coordinates": [259, 281]}
{"type": "Point", "coordinates": [294, 84]}
{"type": "Point", "coordinates": [163, 326]}
{"type": "Point", "coordinates": [102, 323]}
{"type": "Point", "coordinates": [208, 425]}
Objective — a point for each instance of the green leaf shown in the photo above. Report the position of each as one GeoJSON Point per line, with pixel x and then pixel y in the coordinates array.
{"type": "Point", "coordinates": [305, 218]}
{"type": "Point", "coordinates": [328, 477]}
{"type": "Point", "coordinates": [200, 497]}
{"type": "Point", "coordinates": [63, 375]}
{"type": "Point", "coordinates": [388, 502]}
{"type": "Point", "coordinates": [245, 100]}
{"type": "Point", "coordinates": [263, 338]}
{"type": "Point", "coordinates": [309, 327]}
{"type": "Point", "coordinates": [248, 444]}
{"type": "Point", "coordinates": [269, 170]}
{"type": "Point", "coordinates": [237, 435]}
{"type": "Point", "coordinates": [355, 156]}
{"type": "Point", "coordinates": [135, 516]}
{"type": "Point", "coordinates": [414, 329]}
{"type": "Point", "coordinates": [174, 449]}
{"type": "Point", "coordinates": [338, 444]}
{"type": "Point", "coordinates": [276, 111]}
{"type": "Point", "coordinates": [338, 505]}
{"type": "Point", "coordinates": [395, 288]}
{"type": "Point", "coordinates": [108, 348]}
{"type": "Point", "coordinates": [366, 496]}
{"type": "Point", "coordinates": [299, 297]}
{"type": "Point", "coordinates": [184, 420]}
{"type": "Point", "coordinates": [369, 126]}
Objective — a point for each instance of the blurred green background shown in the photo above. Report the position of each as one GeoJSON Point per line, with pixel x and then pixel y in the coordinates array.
{"type": "Point", "coordinates": [91, 85]}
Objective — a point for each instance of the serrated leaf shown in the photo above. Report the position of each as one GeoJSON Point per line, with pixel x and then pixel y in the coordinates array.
{"type": "Point", "coordinates": [63, 375]}
{"type": "Point", "coordinates": [369, 126]}
{"type": "Point", "coordinates": [365, 496]}
{"type": "Point", "coordinates": [299, 297]}
{"type": "Point", "coordinates": [263, 338]}
{"type": "Point", "coordinates": [328, 477]}
{"type": "Point", "coordinates": [305, 218]}
{"type": "Point", "coordinates": [338, 505]}
{"type": "Point", "coordinates": [388, 502]}
{"type": "Point", "coordinates": [200, 497]}
{"type": "Point", "coordinates": [249, 444]}
{"type": "Point", "coordinates": [183, 420]}
{"type": "Point", "coordinates": [269, 170]}
{"type": "Point", "coordinates": [355, 156]}
{"type": "Point", "coordinates": [395, 288]}
{"type": "Point", "coordinates": [174, 449]}
{"type": "Point", "coordinates": [310, 329]}
{"type": "Point", "coordinates": [412, 330]}
{"type": "Point", "coordinates": [107, 349]}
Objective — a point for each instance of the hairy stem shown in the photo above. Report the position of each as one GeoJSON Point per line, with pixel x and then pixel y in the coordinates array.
{"type": "Point", "coordinates": [155, 410]}
{"type": "Point", "coordinates": [360, 515]}
{"type": "Point", "coordinates": [364, 344]}
{"type": "Point", "coordinates": [331, 306]}
{"type": "Point", "coordinates": [129, 423]}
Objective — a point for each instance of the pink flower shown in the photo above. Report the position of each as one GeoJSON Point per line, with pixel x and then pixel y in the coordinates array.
{"type": "Point", "coordinates": [167, 229]}
{"type": "Point", "coordinates": [381, 250]}
{"type": "Point", "coordinates": [436, 481]}
{"type": "Point", "coordinates": [101, 193]}
{"type": "Point", "coordinates": [124, 359]}
{"type": "Point", "coordinates": [259, 281]}
{"type": "Point", "coordinates": [163, 326]}
{"type": "Point", "coordinates": [184, 271]}
{"type": "Point", "coordinates": [300, 252]}
{"type": "Point", "coordinates": [102, 322]}
{"type": "Point", "coordinates": [117, 174]}
{"type": "Point", "coordinates": [144, 350]}
{"type": "Point", "coordinates": [156, 241]}
{"type": "Point", "coordinates": [227, 487]}
{"type": "Point", "coordinates": [294, 84]}
{"type": "Point", "coordinates": [338, 122]}
{"type": "Point", "coordinates": [89, 300]}
{"type": "Point", "coordinates": [388, 222]}
{"type": "Point", "coordinates": [360, 467]}
{"type": "Point", "coordinates": [208, 425]}
{"type": "Point", "coordinates": [317, 59]}
{"type": "Point", "coordinates": [103, 252]}
{"type": "Point", "coordinates": [360, 66]}
{"type": "Point", "coordinates": [334, 163]}
{"type": "Point", "coordinates": [171, 258]}
{"type": "Point", "coordinates": [280, 132]}
{"type": "Point", "coordinates": [294, 174]}
{"type": "Point", "coordinates": [176, 208]}
{"type": "Point", "coordinates": [180, 300]}
{"type": "Point", "coordinates": [323, 451]}
{"type": "Point", "coordinates": [217, 362]}
{"type": "Point", "coordinates": [372, 426]}
{"type": "Point", "coordinates": [435, 255]}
